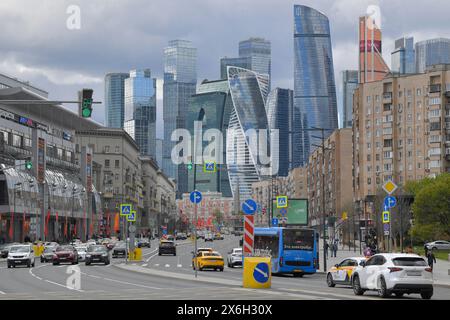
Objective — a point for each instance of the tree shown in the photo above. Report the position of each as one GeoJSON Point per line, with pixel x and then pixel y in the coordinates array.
{"type": "Point", "coordinates": [431, 208]}
{"type": "Point", "coordinates": [218, 216]}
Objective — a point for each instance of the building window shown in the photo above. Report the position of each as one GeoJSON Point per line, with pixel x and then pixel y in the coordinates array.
{"type": "Point", "coordinates": [117, 163]}
{"type": "Point", "coordinates": [419, 141]}
{"type": "Point", "coordinates": [409, 154]}
{"type": "Point", "coordinates": [377, 109]}
{"type": "Point", "coordinates": [16, 140]}
{"type": "Point", "coordinates": [435, 164]}
{"type": "Point", "coordinates": [435, 138]}
{"type": "Point", "coordinates": [106, 149]}
{"type": "Point", "coordinates": [434, 113]}
{"type": "Point", "coordinates": [369, 146]}
{"type": "Point", "coordinates": [117, 177]}
{"type": "Point", "coordinates": [419, 92]}
{"type": "Point", "coordinates": [419, 117]}
{"type": "Point", "coordinates": [369, 157]}
{"type": "Point", "coordinates": [388, 154]}
{"type": "Point", "coordinates": [434, 101]}
{"type": "Point", "coordinates": [369, 181]}
{"type": "Point", "coordinates": [410, 142]}
{"type": "Point", "coordinates": [377, 157]}
{"type": "Point", "coordinates": [435, 126]}
{"type": "Point", "coordinates": [387, 167]}
{"type": "Point", "coordinates": [419, 165]}
{"type": "Point", "coordinates": [117, 149]}
{"type": "Point", "coordinates": [107, 163]}
{"type": "Point", "coordinates": [387, 143]}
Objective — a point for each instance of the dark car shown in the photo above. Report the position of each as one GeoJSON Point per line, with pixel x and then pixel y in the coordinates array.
{"type": "Point", "coordinates": [97, 254]}
{"type": "Point", "coordinates": [65, 253]}
{"type": "Point", "coordinates": [181, 236]}
{"type": "Point", "coordinates": [120, 249]}
{"type": "Point", "coordinates": [167, 247]}
{"type": "Point", "coordinates": [144, 242]}
{"type": "Point", "coordinates": [4, 248]}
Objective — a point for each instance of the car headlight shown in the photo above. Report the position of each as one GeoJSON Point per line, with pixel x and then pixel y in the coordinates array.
{"type": "Point", "coordinates": [104, 255]}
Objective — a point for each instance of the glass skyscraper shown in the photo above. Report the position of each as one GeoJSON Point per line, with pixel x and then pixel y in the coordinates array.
{"type": "Point", "coordinates": [279, 107]}
{"type": "Point", "coordinates": [115, 99]}
{"type": "Point", "coordinates": [140, 110]}
{"type": "Point", "coordinates": [431, 52]}
{"type": "Point", "coordinates": [315, 102]}
{"type": "Point", "coordinates": [349, 84]}
{"type": "Point", "coordinates": [403, 57]}
{"type": "Point", "coordinates": [180, 79]}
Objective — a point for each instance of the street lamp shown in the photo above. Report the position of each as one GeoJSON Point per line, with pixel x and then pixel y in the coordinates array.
{"type": "Point", "coordinates": [12, 216]}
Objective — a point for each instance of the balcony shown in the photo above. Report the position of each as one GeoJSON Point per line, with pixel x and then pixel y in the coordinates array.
{"type": "Point", "coordinates": [387, 97]}
{"type": "Point", "coordinates": [435, 88]}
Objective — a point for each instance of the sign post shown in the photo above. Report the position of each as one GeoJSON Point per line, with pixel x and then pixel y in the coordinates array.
{"type": "Point", "coordinates": [249, 207]}
{"type": "Point", "coordinates": [195, 198]}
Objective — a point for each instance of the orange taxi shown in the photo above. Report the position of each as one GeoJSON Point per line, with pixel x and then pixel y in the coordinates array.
{"type": "Point", "coordinates": [342, 272]}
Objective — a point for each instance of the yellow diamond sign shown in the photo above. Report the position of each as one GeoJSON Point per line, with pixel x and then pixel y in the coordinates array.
{"type": "Point", "coordinates": [390, 187]}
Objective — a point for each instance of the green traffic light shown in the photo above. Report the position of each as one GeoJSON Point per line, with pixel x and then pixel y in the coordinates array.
{"type": "Point", "coordinates": [189, 166]}
{"type": "Point", "coordinates": [29, 165]}
{"type": "Point", "coordinates": [86, 112]}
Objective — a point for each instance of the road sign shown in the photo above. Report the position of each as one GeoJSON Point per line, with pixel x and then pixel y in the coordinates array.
{"type": "Point", "coordinates": [389, 187]}
{"type": "Point", "coordinates": [386, 217]}
{"type": "Point", "coordinates": [196, 196]}
{"type": "Point", "coordinates": [390, 202]}
{"type": "Point", "coordinates": [131, 217]}
{"type": "Point", "coordinates": [386, 227]}
{"type": "Point", "coordinates": [209, 167]}
{"type": "Point", "coordinates": [249, 206]}
{"type": "Point", "coordinates": [125, 209]}
{"type": "Point", "coordinates": [386, 232]}
{"type": "Point", "coordinates": [282, 202]}
{"type": "Point", "coordinates": [275, 222]}
{"type": "Point", "coordinates": [164, 231]}
{"type": "Point", "coordinates": [132, 228]}
{"type": "Point", "coordinates": [283, 212]}
{"type": "Point", "coordinates": [261, 272]}
{"type": "Point", "coordinates": [249, 231]}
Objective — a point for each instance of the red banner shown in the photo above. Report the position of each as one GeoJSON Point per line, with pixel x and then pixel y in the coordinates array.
{"type": "Point", "coordinates": [11, 227]}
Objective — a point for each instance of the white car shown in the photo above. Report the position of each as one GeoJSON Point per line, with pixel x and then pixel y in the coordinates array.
{"type": "Point", "coordinates": [81, 252]}
{"type": "Point", "coordinates": [438, 245]}
{"type": "Point", "coordinates": [209, 236]}
{"type": "Point", "coordinates": [396, 273]}
{"type": "Point", "coordinates": [234, 258]}
{"type": "Point", "coordinates": [21, 254]}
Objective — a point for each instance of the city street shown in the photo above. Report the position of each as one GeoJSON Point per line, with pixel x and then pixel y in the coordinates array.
{"type": "Point", "coordinates": [167, 277]}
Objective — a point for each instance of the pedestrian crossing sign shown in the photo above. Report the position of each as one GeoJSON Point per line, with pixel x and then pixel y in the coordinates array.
{"type": "Point", "coordinates": [210, 167]}
{"type": "Point", "coordinates": [125, 209]}
{"type": "Point", "coordinates": [282, 202]}
{"type": "Point", "coordinates": [131, 217]}
{"type": "Point", "coordinates": [386, 217]}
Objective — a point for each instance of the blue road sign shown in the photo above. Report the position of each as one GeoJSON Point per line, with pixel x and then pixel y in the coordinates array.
{"type": "Point", "coordinates": [275, 222]}
{"type": "Point", "coordinates": [125, 209]}
{"type": "Point", "coordinates": [196, 196]}
{"type": "Point", "coordinates": [261, 272]}
{"type": "Point", "coordinates": [165, 231]}
{"type": "Point", "coordinates": [249, 206]}
{"type": "Point", "coordinates": [283, 212]}
{"type": "Point", "coordinates": [209, 167]}
{"type": "Point", "coordinates": [390, 201]}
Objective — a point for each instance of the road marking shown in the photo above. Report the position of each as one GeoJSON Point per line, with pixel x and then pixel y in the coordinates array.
{"type": "Point", "coordinates": [145, 264]}
{"type": "Point", "coordinates": [179, 266]}
{"type": "Point", "coordinates": [167, 265]}
{"type": "Point", "coordinates": [61, 285]}
{"type": "Point", "coordinates": [1, 292]}
{"type": "Point", "coordinates": [133, 284]}
{"type": "Point", "coordinates": [157, 265]}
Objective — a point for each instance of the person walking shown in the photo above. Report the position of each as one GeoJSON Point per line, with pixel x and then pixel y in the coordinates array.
{"type": "Point", "coordinates": [325, 247]}
{"type": "Point", "coordinates": [431, 259]}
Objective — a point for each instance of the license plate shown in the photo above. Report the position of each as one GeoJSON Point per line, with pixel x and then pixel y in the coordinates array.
{"type": "Point", "coordinates": [414, 273]}
{"type": "Point", "coordinates": [298, 270]}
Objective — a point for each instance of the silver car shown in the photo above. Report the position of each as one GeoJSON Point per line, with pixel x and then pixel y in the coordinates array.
{"type": "Point", "coordinates": [438, 245]}
{"type": "Point", "coordinates": [81, 252]}
{"type": "Point", "coordinates": [234, 258]}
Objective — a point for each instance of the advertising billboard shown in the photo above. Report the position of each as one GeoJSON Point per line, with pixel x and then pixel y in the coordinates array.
{"type": "Point", "coordinates": [296, 213]}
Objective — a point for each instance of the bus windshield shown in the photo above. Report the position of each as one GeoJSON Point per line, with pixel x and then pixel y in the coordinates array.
{"type": "Point", "coordinates": [267, 242]}
{"type": "Point", "coordinates": [297, 239]}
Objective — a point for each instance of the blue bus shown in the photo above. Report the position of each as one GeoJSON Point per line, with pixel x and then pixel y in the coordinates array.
{"type": "Point", "coordinates": [293, 250]}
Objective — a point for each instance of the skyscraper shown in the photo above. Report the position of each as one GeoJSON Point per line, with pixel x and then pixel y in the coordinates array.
{"type": "Point", "coordinates": [403, 57]}
{"type": "Point", "coordinates": [279, 107]}
{"type": "Point", "coordinates": [115, 99]}
{"type": "Point", "coordinates": [314, 87]}
{"type": "Point", "coordinates": [140, 110]}
{"type": "Point", "coordinates": [431, 52]}
{"type": "Point", "coordinates": [349, 84]}
{"type": "Point", "coordinates": [180, 78]}
{"type": "Point", "coordinates": [371, 63]}
{"type": "Point", "coordinates": [244, 63]}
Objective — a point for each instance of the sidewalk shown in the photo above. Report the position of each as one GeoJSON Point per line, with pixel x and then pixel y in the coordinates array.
{"type": "Point", "coordinates": [441, 269]}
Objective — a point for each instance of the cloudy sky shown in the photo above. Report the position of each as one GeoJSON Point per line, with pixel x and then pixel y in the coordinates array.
{"type": "Point", "coordinates": [119, 35]}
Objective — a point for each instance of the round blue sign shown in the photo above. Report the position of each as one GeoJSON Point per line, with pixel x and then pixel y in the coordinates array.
{"type": "Point", "coordinates": [196, 196]}
{"type": "Point", "coordinates": [261, 272]}
{"type": "Point", "coordinates": [249, 206]}
{"type": "Point", "coordinates": [390, 202]}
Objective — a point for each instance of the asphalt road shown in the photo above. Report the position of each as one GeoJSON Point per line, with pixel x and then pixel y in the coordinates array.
{"type": "Point", "coordinates": [46, 281]}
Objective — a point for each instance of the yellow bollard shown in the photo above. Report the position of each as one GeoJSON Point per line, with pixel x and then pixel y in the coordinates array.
{"type": "Point", "coordinates": [36, 250]}
{"type": "Point", "coordinates": [257, 273]}
{"type": "Point", "coordinates": [138, 254]}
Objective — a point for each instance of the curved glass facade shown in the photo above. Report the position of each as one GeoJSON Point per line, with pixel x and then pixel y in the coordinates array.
{"type": "Point", "coordinates": [248, 90]}
{"type": "Point", "coordinates": [115, 99]}
{"type": "Point", "coordinates": [314, 85]}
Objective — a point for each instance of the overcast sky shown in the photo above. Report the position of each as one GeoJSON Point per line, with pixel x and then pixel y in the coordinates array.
{"type": "Point", "coordinates": [119, 35]}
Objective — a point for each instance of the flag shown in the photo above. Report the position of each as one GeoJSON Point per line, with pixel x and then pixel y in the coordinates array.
{"type": "Point", "coordinates": [11, 224]}
{"type": "Point", "coordinates": [56, 216]}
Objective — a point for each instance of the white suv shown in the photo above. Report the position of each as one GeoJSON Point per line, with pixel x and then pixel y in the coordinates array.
{"type": "Point", "coordinates": [396, 273]}
{"type": "Point", "coordinates": [21, 254]}
{"type": "Point", "coordinates": [235, 257]}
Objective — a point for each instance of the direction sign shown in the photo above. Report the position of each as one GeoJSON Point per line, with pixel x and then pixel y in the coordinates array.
{"type": "Point", "coordinates": [389, 187]}
{"type": "Point", "coordinates": [390, 202]}
{"type": "Point", "coordinates": [386, 217]}
{"type": "Point", "coordinates": [131, 217]}
{"type": "Point", "coordinates": [209, 167]}
{"type": "Point", "coordinates": [261, 272]}
{"type": "Point", "coordinates": [125, 209]}
{"type": "Point", "coordinates": [275, 222]}
{"type": "Point", "coordinates": [282, 202]}
{"type": "Point", "coordinates": [196, 196]}
{"type": "Point", "coordinates": [249, 206]}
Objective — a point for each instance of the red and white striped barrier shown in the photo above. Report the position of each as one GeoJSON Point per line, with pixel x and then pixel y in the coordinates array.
{"type": "Point", "coordinates": [249, 231]}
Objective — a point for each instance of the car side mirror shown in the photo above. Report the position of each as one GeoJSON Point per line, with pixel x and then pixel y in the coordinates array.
{"type": "Point", "coordinates": [362, 264]}
{"type": "Point", "coordinates": [336, 265]}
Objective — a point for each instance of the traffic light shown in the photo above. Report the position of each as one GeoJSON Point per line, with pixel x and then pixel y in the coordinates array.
{"type": "Point", "coordinates": [29, 165]}
{"type": "Point", "coordinates": [86, 103]}
{"type": "Point", "coordinates": [189, 166]}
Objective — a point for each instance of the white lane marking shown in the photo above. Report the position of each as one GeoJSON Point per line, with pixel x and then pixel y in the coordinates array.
{"type": "Point", "coordinates": [179, 266]}
{"type": "Point", "coordinates": [157, 265]}
{"type": "Point", "coordinates": [167, 266]}
{"type": "Point", "coordinates": [61, 285]}
{"type": "Point", "coordinates": [145, 264]}
{"type": "Point", "coordinates": [92, 276]}
{"type": "Point", "coordinates": [1, 292]}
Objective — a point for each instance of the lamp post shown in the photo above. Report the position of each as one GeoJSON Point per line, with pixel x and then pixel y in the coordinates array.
{"type": "Point", "coordinates": [12, 216]}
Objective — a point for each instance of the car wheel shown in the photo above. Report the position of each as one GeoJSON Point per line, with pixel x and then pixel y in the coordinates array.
{"type": "Point", "coordinates": [33, 264]}
{"type": "Point", "coordinates": [221, 269]}
{"type": "Point", "coordinates": [29, 264]}
{"type": "Point", "coordinates": [330, 281]}
{"type": "Point", "coordinates": [426, 295]}
{"type": "Point", "coordinates": [383, 292]}
{"type": "Point", "coordinates": [399, 294]}
{"type": "Point", "coordinates": [106, 262]}
{"type": "Point", "coordinates": [159, 253]}
{"type": "Point", "coordinates": [357, 290]}
{"type": "Point", "coordinates": [9, 266]}
{"type": "Point", "coordinates": [42, 260]}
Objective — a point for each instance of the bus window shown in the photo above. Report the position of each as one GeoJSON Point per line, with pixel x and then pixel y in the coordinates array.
{"type": "Point", "coordinates": [267, 242]}
{"type": "Point", "coordinates": [297, 239]}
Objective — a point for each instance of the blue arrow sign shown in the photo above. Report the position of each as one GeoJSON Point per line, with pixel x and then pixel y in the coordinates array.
{"type": "Point", "coordinates": [196, 196]}
{"type": "Point", "coordinates": [249, 206]}
{"type": "Point", "coordinates": [390, 202]}
{"type": "Point", "coordinates": [275, 222]}
{"type": "Point", "coordinates": [261, 272]}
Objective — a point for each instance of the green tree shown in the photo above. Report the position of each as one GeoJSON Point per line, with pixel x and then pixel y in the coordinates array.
{"type": "Point", "coordinates": [431, 208]}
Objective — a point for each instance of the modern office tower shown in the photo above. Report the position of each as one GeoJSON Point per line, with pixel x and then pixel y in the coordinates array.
{"type": "Point", "coordinates": [254, 54]}
{"type": "Point", "coordinates": [212, 106]}
{"type": "Point", "coordinates": [180, 78]}
{"type": "Point", "coordinates": [140, 110]}
{"type": "Point", "coordinates": [372, 66]}
{"type": "Point", "coordinates": [315, 102]}
{"type": "Point", "coordinates": [349, 84]}
{"type": "Point", "coordinates": [247, 159]}
{"type": "Point", "coordinates": [403, 60]}
{"type": "Point", "coordinates": [431, 52]}
{"type": "Point", "coordinates": [115, 99]}
{"type": "Point", "coordinates": [401, 130]}
{"type": "Point", "coordinates": [159, 152]}
{"type": "Point", "coordinates": [279, 107]}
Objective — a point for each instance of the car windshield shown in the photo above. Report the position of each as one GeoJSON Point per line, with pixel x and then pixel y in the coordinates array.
{"type": "Point", "coordinates": [97, 249]}
{"type": "Point", "coordinates": [83, 249]}
{"type": "Point", "coordinates": [19, 249]}
{"type": "Point", "coordinates": [211, 254]}
{"type": "Point", "coordinates": [409, 262]}
{"type": "Point", "coordinates": [166, 244]}
{"type": "Point", "coordinates": [237, 251]}
{"type": "Point", "coordinates": [49, 249]}
{"type": "Point", "coordinates": [64, 248]}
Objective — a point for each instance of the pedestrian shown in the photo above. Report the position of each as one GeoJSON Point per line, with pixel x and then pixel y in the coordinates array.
{"type": "Point", "coordinates": [325, 247]}
{"type": "Point", "coordinates": [425, 247]}
{"type": "Point", "coordinates": [431, 259]}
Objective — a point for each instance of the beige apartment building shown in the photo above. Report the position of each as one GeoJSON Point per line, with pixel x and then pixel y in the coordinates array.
{"type": "Point", "coordinates": [297, 183]}
{"type": "Point", "coordinates": [338, 183]}
{"type": "Point", "coordinates": [401, 131]}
